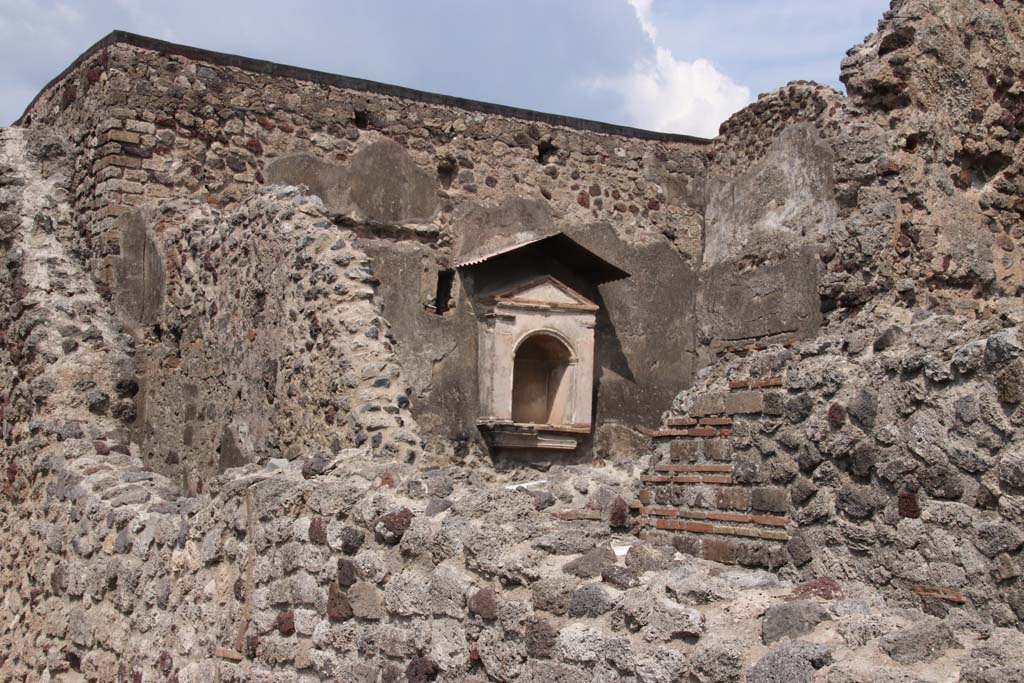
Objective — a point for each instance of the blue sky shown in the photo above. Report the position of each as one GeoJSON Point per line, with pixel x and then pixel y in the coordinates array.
{"type": "Point", "coordinates": [674, 65]}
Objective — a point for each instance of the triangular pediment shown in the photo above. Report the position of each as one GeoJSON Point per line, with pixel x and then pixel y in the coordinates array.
{"type": "Point", "coordinates": [546, 291]}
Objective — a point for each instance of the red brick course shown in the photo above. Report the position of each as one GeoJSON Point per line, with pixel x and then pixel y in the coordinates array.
{"type": "Point", "coordinates": [704, 432]}
{"type": "Point", "coordinates": [719, 529]}
{"type": "Point", "coordinates": [737, 517]}
{"type": "Point", "coordinates": [694, 468]}
{"type": "Point", "coordinates": [686, 479]}
{"type": "Point", "coordinates": [940, 593]}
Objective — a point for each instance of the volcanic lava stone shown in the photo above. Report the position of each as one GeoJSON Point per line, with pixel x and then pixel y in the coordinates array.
{"type": "Point", "coordinates": [484, 603]}
{"type": "Point", "coordinates": [589, 601]}
{"type": "Point", "coordinates": [351, 540]}
{"type": "Point", "coordinates": [620, 577]}
{"type": "Point", "coordinates": [421, 670]}
{"type": "Point", "coordinates": [338, 607]}
{"type": "Point", "coordinates": [347, 573]}
{"type": "Point", "coordinates": [618, 513]}
{"type": "Point", "coordinates": [392, 526]}
{"type": "Point", "coordinates": [318, 531]}
{"type": "Point", "coordinates": [285, 623]}
{"type": "Point", "coordinates": [541, 638]}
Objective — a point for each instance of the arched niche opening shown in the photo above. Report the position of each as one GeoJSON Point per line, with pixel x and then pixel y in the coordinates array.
{"type": "Point", "coordinates": [542, 381]}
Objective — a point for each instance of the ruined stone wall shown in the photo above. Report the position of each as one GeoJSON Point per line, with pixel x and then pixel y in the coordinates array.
{"type": "Point", "coordinates": [888, 446]}
{"type": "Point", "coordinates": [886, 450]}
{"type": "Point", "coordinates": [261, 340]}
{"type": "Point", "coordinates": [420, 179]}
{"type": "Point", "coordinates": [298, 570]}
{"type": "Point", "coordinates": [908, 184]}
{"type": "Point", "coordinates": [270, 343]}
{"type": "Point", "coordinates": [859, 427]}
{"type": "Point", "coordinates": [772, 189]}
{"type": "Point", "coordinates": [347, 565]}
{"type": "Point", "coordinates": [942, 78]}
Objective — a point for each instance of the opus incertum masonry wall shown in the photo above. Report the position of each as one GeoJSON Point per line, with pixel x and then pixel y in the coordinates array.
{"type": "Point", "coordinates": [304, 377]}
{"type": "Point", "coordinates": [423, 180]}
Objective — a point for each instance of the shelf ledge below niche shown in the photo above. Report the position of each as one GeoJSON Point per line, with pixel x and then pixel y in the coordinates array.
{"type": "Point", "coordinates": [501, 434]}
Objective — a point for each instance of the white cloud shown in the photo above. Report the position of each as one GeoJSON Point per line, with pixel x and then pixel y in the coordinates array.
{"type": "Point", "coordinates": [672, 95]}
{"type": "Point", "coordinates": [642, 8]}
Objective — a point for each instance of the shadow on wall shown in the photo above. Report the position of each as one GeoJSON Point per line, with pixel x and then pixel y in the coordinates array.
{"type": "Point", "coordinates": [645, 327]}
{"type": "Point", "coordinates": [138, 273]}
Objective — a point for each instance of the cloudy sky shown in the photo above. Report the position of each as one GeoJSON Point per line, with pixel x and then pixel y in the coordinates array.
{"type": "Point", "coordinates": [672, 65]}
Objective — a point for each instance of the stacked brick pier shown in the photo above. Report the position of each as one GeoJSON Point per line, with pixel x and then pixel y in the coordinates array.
{"type": "Point", "coordinates": [704, 494]}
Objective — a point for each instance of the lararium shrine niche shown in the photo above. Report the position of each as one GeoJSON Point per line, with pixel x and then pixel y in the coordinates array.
{"type": "Point", "coordinates": [535, 304]}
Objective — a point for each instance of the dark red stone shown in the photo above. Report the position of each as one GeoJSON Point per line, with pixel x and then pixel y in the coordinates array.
{"type": "Point", "coordinates": [622, 578]}
{"type": "Point", "coordinates": [285, 623]}
{"type": "Point", "coordinates": [540, 639]}
{"type": "Point", "coordinates": [484, 603]}
{"type": "Point", "coordinates": [908, 505]}
{"type": "Point", "coordinates": [347, 574]}
{"type": "Point", "coordinates": [392, 526]}
{"type": "Point", "coordinates": [338, 607]}
{"type": "Point", "coordinates": [235, 163]}
{"type": "Point", "coordinates": [618, 513]}
{"type": "Point", "coordinates": [318, 531]}
{"type": "Point", "coordinates": [837, 415]}
{"type": "Point", "coordinates": [421, 670]}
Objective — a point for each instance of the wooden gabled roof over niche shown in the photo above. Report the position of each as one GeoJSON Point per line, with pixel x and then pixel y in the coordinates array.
{"type": "Point", "coordinates": [560, 247]}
